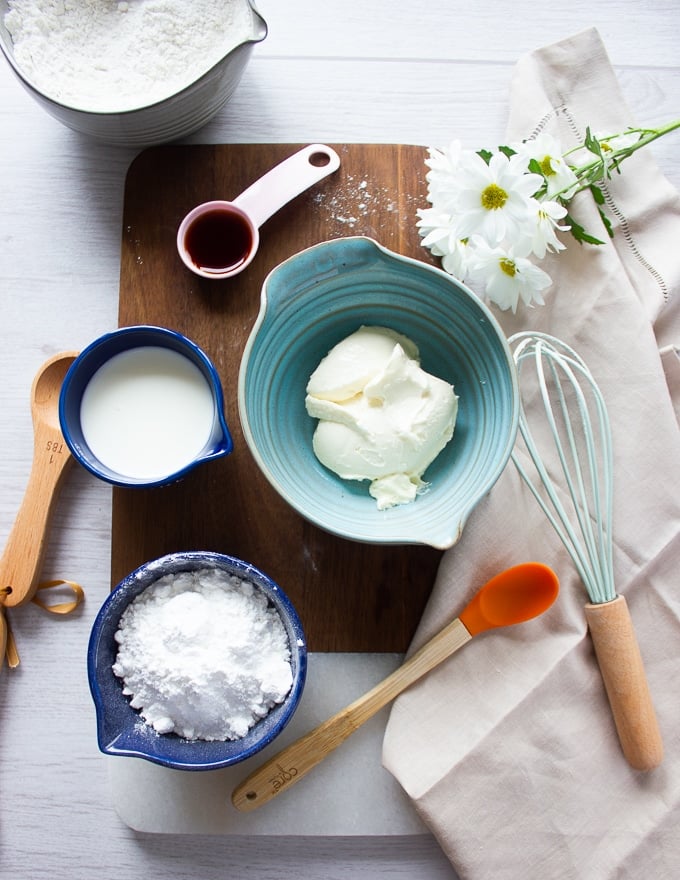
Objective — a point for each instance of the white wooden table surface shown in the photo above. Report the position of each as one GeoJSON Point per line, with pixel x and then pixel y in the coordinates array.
{"type": "Point", "coordinates": [341, 70]}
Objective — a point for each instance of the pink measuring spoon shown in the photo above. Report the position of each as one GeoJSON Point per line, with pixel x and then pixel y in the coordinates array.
{"type": "Point", "coordinates": [218, 239]}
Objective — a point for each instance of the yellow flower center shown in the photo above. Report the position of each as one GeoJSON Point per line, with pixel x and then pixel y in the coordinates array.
{"type": "Point", "coordinates": [508, 266]}
{"type": "Point", "coordinates": [546, 166]}
{"type": "Point", "coordinates": [493, 197]}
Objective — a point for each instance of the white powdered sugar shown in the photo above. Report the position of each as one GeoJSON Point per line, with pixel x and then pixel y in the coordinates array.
{"type": "Point", "coordinates": [203, 654]}
{"type": "Point", "coordinates": [109, 55]}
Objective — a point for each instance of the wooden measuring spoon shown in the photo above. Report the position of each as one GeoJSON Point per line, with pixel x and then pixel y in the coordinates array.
{"type": "Point", "coordinates": [23, 555]}
{"type": "Point", "coordinates": [513, 596]}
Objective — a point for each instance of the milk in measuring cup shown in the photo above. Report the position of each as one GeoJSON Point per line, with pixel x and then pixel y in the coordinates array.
{"type": "Point", "coordinates": [147, 412]}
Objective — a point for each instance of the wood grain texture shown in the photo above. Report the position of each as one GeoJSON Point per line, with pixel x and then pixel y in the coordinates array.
{"type": "Point", "coordinates": [22, 558]}
{"type": "Point", "coordinates": [623, 673]}
{"type": "Point", "coordinates": [350, 596]}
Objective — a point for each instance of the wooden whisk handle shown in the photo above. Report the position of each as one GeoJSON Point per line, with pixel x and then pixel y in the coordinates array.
{"type": "Point", "coordinates": [618, 656]}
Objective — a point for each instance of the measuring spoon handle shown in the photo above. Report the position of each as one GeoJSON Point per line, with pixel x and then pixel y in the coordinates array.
{"type": "Point", "coordinates": [22, 558]}
{"type": "Point", "coordinates": [286, 180]}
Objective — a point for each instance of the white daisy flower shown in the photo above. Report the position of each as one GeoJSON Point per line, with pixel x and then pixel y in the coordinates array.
{"type": "Point", "coordinates": [492, 210]}
{"type": "Point", "coordinates": [456, 261]}
{"type": "Point", "coordinates": [506, 277]}
{"type": "Point", "coordinates": [443, 177]}
{"type": "Point", "coordinates": [546, 227]}
{"type": "Point", "coordinates": [558, 174]}
{"type": "Point", "coordinates": [494, 198]}
{"type": "Point", "coordinates": [441, 237]}
{"type": "Point", "coordinates": [610, 143]}
{"type": "Point", "coordinates": [608, 148]}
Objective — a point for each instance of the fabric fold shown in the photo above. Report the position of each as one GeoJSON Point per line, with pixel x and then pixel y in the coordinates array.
{"type": "Point", "coordinates": [508, 751]}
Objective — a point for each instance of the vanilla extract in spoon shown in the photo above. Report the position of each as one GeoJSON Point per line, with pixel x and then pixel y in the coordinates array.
{"type": "Point", "coordinates": [219, 240]}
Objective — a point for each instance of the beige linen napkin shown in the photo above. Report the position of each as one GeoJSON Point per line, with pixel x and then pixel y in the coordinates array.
{"type": "Point", "coordinates": [508, 751]}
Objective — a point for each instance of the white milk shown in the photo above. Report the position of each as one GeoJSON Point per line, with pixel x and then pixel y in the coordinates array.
{"type": "Point", "coordinates": [147, 412]}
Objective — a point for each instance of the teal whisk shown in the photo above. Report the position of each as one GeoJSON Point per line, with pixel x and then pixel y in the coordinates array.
{"type": "Point", "coordinates": [568, 412]}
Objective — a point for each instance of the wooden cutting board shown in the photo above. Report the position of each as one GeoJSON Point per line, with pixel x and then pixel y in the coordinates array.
{"type": "Point", "coordinates": [350, 596]}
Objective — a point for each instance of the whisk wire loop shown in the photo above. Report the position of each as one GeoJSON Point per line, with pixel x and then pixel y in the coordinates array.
{"type": "Point", "coordinates": [566, 387]}
{"type": "Point", "coordinates": [574, 470]}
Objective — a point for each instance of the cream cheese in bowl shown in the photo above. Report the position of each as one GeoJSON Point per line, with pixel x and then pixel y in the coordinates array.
{"type": "Point", "coordinates": [381, 417]}
{"type": "Point", "coordinates": [320, 297]}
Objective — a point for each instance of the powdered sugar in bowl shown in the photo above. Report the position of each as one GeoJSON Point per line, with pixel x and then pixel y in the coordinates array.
{"type": "Point", "coordinates": [196, 661]}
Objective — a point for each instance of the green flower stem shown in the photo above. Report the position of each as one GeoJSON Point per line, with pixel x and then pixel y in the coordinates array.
{"type": "Point", "coordinates": [591, 172]}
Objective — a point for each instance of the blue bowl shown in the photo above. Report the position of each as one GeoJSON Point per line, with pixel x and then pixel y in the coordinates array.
{"type": "Point", "coordinates": [102, 350]}
{"type": "Point", "coordinates": [120, 729]}
{"type": "Point", "coordinates": [311, 302]}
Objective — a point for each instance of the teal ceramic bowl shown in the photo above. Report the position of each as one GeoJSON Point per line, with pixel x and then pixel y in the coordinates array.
{"type": "Point", "coordinates": [314, 300]}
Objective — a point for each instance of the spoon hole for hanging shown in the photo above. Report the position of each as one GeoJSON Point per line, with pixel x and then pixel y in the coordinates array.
{"type": "Point", "coordinates": [319, 159]}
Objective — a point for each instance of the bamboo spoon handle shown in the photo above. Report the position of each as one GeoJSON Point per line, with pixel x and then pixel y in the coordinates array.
{"type": "Point", "coordinates": [22, 558]}
{"type": "Point", "coordinates": [618, 655]}
{"type": "Point", "coordinates": [296, 760]}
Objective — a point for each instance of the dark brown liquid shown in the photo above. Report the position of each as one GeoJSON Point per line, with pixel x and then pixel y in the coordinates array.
{"type": "Point", "coordinates": [219, 240]}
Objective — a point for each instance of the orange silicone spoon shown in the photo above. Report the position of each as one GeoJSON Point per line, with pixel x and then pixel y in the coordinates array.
{"type": "Point", "coordinates": [513, 596]}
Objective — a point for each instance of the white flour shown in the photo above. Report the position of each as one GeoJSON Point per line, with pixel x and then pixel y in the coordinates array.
{"type": "Point", "coordinates": [203, 655]}
{"type": "Point", "coordinates": [106, 55]}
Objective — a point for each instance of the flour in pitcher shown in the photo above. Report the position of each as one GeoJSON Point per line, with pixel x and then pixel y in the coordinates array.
{"type": "Point", "coordinates": [111, 56]}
